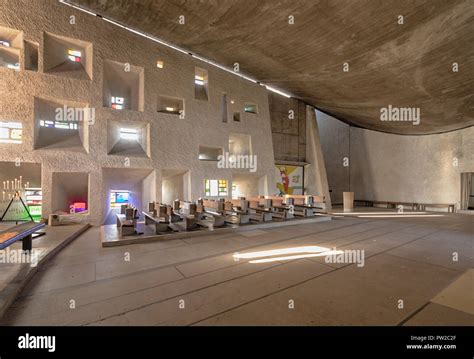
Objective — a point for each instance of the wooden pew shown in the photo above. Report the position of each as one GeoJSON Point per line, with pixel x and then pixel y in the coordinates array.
{"type": "Point", "coordinates": [187, 224]}
{"type": "Point", "coordinates": [278, 208]}
{"type": "Point", "coordinates": [127, 220]}
{"type": "Point", "coordinates": [300, 208]}
{"type": "Point", "coordinates": [233, 215]}
{"type": "Point", "coordinates": [160, 224]}
{"type": "Point", "coordinates": [188, 215]}
{"type": "Point", "coordinates": [257, 211]}
{"type": "Point", "coordinates": [211, 213]}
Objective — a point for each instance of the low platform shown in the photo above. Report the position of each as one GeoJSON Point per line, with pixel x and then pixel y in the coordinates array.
{"type": "Point", "coordinates": [17, 270]}
{"type": "Point", "coordinates": [110, 236]}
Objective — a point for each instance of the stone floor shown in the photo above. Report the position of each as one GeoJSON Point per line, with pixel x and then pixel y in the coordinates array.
{"type": "Point", "coordinates": [16, 269]}
{"type": "Point", "coordinates": [415, 272]}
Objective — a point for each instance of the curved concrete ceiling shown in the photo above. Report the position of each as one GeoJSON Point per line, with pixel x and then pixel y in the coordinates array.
{"type": "Point", "coordinates": [403, 65]}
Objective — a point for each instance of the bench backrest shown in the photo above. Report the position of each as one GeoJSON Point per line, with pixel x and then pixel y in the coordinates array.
{"type": "Point", "coordinates": [216, 206]}
{"type": "Point", "coordinates": [277, 201]}
{"type": "Point", "coordinates": [241, 204]}
{"type": "Point", "coordinates": [188, 208]}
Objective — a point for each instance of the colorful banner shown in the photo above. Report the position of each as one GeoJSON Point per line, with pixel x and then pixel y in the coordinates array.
{"type": "Point", "coordinates": [290, 179]}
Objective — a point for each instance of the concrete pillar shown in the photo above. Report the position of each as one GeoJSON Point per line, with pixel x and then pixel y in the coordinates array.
{"type": "Point", "coordinates": [316, 181]}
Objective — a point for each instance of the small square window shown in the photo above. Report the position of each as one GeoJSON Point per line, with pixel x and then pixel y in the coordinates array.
{"type": "Point", "coordinates": [160, 64]}
{"type": "Point", "coordinates": [237, 116]}
{"type": "Point", "coordinates": [128, 134]}
{"type": "Point", "coordinates": [201, 84]}
{"type": "Point", "coordinates": [74, 55]}
{"type": "Point", "coordinates": [59, 124]}
{"type": "Point", "coordinates": [10, 132]}
{"type": "Point", "coordinates": [213, 188]}
{"type": "Point", "coordinates": [250, 108]}
{"type": "Point", "coordinates": [117, 102]}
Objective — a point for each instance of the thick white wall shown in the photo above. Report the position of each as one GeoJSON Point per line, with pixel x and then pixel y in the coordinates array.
{"type": "Point", "coordinates": [334, 136]}
{"type": "Point", "coordinates": [174, 142]}
{"type": "Point", "coordinates": [395, 167]}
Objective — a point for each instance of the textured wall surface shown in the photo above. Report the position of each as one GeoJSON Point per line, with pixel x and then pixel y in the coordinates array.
{"type": "Point", "coordinates": [334, 136]}
{"type": "Point", "coordinates": [289, 135]}
{"type": "Point", "coordinates": [389, 167]}
{"type": "Point", "coordinates": [173, 142]}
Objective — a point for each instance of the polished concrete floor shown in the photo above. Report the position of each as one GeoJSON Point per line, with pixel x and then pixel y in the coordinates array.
{"type": "Point", "coordinates": [416, 271]}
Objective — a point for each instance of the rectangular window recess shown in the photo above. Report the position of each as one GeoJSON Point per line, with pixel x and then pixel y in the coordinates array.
{"type": "Point", "coordinates": [119, 197]}
{"type": "Point", "coordinates": [199, 80]}
{"type": "Point", "coordinates": [250, 108]}
{"type": "Point", "coordinates": [213, 188]}
{"type": "Point", "coordinates": [74, 55]}
{"type": "Point", "coordinates": [11, 132]}
{"type": "Point", "coordinates": [117, 102]}
{"type": "Point", "coordinates": [59, 124]}
{"type": "Point", "coordinates": [128, 134]}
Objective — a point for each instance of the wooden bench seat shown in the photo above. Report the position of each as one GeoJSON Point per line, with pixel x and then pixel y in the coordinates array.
{"type": "Point", "coordinates": [187, 224]}
{"type": "Point", "coordinates": [303, 211]}
{"type": "Point", "coordinates": [160, 223]}
{"type": "Point", "coordinates": [260, 215]}
{"type": "Point", "coordinates": [217, 219]}
{"type": "Point", "coordinates": [126, 226]}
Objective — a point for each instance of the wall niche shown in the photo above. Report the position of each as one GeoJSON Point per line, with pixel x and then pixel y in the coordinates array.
{"type": "Point", "coordinates": [67, 57]}
{"type": "Point", "coordinates": [123, 86]}
{"type": "Point", "coordinates": [11, 43]}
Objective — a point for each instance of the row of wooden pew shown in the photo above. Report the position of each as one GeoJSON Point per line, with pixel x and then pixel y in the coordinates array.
{"type": "Point", "coordinates": [210, 213]}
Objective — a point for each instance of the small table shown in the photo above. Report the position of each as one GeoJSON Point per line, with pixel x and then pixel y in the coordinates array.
{"type": "Point", "coordinates": [348, 199]}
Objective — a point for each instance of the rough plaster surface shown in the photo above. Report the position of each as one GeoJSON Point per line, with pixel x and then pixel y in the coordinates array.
{"type": "Point", "coordinates": [334, 137]}
{"type": "Point", "coordinates": [289, 135]}
{"type": "Point", "coordinates": [390, 167]}
{"type": "Point", "coordinates": [315, 173]}
{"type": "Point", "coordinates": [174, 142]}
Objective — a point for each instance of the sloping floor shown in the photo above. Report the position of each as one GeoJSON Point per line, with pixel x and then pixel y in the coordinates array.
{"type": "Point", "coordinates": [409, 276]}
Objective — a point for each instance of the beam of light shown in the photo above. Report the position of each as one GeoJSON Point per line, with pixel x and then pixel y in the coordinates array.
{"type": "Point", "coordinates": [275, 252]}
{"type": "Point", "coordinates": [374, 213]}
{"type": "Point", "coordinates": [404, 216]}
{"type": "Point", "coordinates": [298, 256]}
{"type": "Point", "coordinates": [176, 48]}
{"type": "Point", "coordinates": [77, 7]}
{"type": "Point", "coordinates": [270, 88]}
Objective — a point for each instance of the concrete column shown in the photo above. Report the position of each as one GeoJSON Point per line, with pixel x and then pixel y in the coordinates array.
{"type": "Point", "coordinates": [316, 181]}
